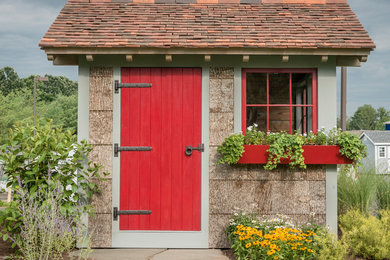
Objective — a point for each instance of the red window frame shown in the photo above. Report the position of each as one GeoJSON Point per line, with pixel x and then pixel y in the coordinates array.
{"type": "Point", "coordinates": [314, 104]}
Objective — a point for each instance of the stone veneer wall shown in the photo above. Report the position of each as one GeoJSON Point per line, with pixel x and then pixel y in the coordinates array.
{"type": "Point", "coordinates": [295, 193]}
{"type": "Point", "coordinates": [100, 137]}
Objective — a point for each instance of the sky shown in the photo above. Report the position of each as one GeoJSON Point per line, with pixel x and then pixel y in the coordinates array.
{"type": "Point", "coordinates": [24, 22]}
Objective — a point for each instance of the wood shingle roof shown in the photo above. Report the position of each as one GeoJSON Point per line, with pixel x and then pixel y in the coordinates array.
{"type": "Point", "coordinates": [108, 24]}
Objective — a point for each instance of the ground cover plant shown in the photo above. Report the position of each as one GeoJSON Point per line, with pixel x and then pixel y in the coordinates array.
{"type": "Point", "coordinates": [366, 235]}
{"type": "Point", "coordinates": [47, 170]}
{"type": "Point", "coordinates": [289, 146]}
{"type": "Point", "coordinates": [254, 237]}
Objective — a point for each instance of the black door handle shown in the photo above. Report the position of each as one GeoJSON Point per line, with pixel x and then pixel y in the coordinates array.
{"type": "Point", "coordinates": [189, 149]}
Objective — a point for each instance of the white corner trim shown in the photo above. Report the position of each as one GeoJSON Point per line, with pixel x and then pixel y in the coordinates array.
{"type": "Point", "coordinates": [331, 198]}
{"type": "Point", "coordinates": [237, 92]}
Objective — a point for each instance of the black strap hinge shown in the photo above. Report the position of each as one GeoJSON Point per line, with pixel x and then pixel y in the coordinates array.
{"type": "Point", "coordinates": [130, 85]}
{"type": "Point", "coordinates": [118, 149]}
{"type": "Point", "coordinates": [117, 212]}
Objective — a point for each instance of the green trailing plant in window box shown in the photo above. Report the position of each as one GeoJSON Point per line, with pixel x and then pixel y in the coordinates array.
{"type": "Point", "coordinates": [289, 147]}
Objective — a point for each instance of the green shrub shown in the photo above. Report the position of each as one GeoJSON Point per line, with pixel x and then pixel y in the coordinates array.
{"type": "Point", "coordinates": [39, 158]}
{"type": "Point", "coordinates": [328, 247]}
{"type": "Point", "coordinates": [366, 235]}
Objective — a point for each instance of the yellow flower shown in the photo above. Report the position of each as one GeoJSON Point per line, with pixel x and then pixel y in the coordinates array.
{"type": "Point", "coordinates": [272, 246]}
{"type": "Point", "coordinates": [310, 250]}
{"type": "Point", "coordinates": [276, 257]}
{"type": "Point", "coordinates": [271, 252]}
{"type": "Point", "coordinates": [248, 245]}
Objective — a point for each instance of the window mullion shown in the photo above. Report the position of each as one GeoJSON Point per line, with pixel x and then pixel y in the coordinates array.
{"type": "Point", "coordinates": [267, 102]}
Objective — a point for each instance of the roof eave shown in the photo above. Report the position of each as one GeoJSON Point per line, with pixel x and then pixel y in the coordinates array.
{"type": "Point", "coordinates": [209, 51]}
{"type": "Point", "coordinates": [344, 57]}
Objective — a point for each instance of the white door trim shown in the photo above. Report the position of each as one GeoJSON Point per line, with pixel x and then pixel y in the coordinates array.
{"type": "Point", "coordinates": [164, 239]}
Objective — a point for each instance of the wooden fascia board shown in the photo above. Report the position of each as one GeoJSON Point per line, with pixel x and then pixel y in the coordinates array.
{"type": "Point", "coordinates": [205, 51]}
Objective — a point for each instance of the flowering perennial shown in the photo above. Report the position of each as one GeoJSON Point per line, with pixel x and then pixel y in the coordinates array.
{"type": "Point", "coordinates": [279, 243]}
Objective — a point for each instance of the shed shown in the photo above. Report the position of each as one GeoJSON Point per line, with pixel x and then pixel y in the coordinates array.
{"type": "Point", "coordinates": [378, 150]}
{"type": "Point", "coordinates": [159, 77]}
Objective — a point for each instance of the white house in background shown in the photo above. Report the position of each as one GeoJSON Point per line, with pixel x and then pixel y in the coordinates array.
{"type": "Point", "coordinates": [378, 150]}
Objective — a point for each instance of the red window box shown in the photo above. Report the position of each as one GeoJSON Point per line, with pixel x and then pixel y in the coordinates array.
{"type": "Point", "coordinates": [313, 154]}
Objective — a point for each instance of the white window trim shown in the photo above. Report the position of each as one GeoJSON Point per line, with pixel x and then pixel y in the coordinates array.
{"type": "Point", "coordinates": [379, 152]}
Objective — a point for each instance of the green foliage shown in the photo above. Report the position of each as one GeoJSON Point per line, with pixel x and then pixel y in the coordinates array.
{"type": "Point", "coordinates": [42, 155]}
{"type": "Point", "coordinates": [231, 149]}
{"type": "Point", "coordinates": [367, 118]}
{"type": "Point", "coordinates": [48, 91]}
{"type": "Point", "coordinates": [366, 235]}
{"type": "Point", "coordinates": [9, 81]}
{"type": "Point", "coordinates": [356, 191]}
{"type": "Point", "coordinates": [329, 247]}
{"type": "Point", "coordinates": [15, 107]}
{"type": "Point", "coordinates": [285, 146]}
{"type": "Point", "coordinates": [383, 192]}
{"type": "Point", "coordinates": [351, 146]}
{"type": "Point", "coordinates": [63, 112]}
{"type": "Point", "coordinates": [56, 99]}
{"type": "Point", "coordinates": [363, 190]}
{"type": "Point", "coordinates": [289, 146]}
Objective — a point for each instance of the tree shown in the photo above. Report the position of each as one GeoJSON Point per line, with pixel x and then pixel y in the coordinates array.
{"type": "Point", "coordinates": [56, 99]}
{"type": "Point", "coordinates": [49, 90]}
{"type": "Point", "coordinates": [63, 111]}
{"type": "Point", "coordinates": [383, 116]}
{"type": "Point", "coordinates": [9, 81]}
{"type": "Point", "coordinates": [367, 118]}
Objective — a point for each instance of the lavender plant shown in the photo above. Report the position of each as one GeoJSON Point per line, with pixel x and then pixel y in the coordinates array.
{"type": "Point", "coordinates": [46, 232]}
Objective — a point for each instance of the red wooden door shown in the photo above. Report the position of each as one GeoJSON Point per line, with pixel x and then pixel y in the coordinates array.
{"type": "Point", "coordinates": [167, 117]}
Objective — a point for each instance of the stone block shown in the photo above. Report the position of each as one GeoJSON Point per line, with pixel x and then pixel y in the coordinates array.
{"type": "Point", "coordinates": [222, 73]}
{"type": "Point", "coordinates": [99, 226]}
{"type": "Point", "coordinates": [217, 235]}
{"type": "Point", "coordinates": [101, 88]}
{"type": "Point", "coordinates": [226, 195]}
{"type": "Point", "coordinates": [284, 173]}
{"type": "Point", "coordinates": [102, 202]}
{"type": "Point", "coordinates": [289, 197]}
{"type": "Point", "coordinates": [221, 95]}
{"type": "Point", "coordinates": [100, 127]}
{"type": "Point", "coordinates": [102, 155]}
{"type": "Point", "coordinates": [221, 126]}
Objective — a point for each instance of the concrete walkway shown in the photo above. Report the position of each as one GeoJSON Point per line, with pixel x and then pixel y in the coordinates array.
{"type": "Point", "coordinates": [159, 254]}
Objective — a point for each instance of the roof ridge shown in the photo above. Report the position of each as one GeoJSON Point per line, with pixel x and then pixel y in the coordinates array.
{"type": "Point", "coordinates": [216, 1]}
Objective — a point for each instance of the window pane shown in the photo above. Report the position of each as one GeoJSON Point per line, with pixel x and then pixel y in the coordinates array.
{"type": "Point", "coordinates": [382, 152]}
{"type": "Point", "coordinates": [279, 119]}
{"type": "Point", "coordinates": [257, 115]}
{"type": "Point", "coordinates": [302, 118]}
{"type": "Point", "coordinates": [279, 88]}
{"type": "Point", "coordinates": [302, 88]}
{"type": "Point", "coordinates": [256, 88]}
